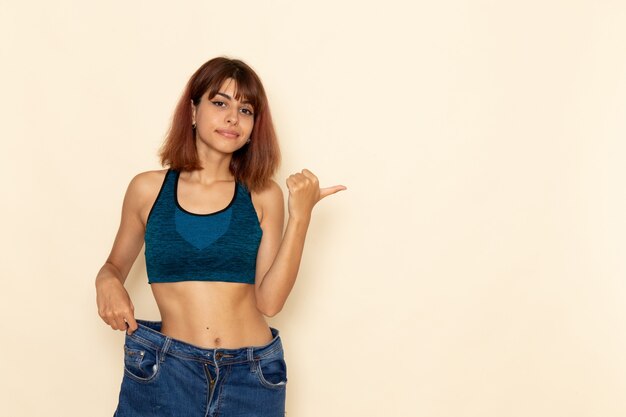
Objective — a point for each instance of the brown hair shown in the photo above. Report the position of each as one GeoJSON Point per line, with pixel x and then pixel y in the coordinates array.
{"type": "Point", "coordinates": [255, 163]}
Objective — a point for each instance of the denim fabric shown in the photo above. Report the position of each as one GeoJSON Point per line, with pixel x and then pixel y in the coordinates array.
{"type": "Point", "coordinates": [167, 377]}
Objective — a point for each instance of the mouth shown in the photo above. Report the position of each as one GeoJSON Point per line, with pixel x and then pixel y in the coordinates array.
{"type": "Point", "coordinates": [228, 133]}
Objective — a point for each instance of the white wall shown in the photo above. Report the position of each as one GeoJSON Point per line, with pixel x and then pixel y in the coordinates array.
{"type": "Point", "coordinates": [475, 265]}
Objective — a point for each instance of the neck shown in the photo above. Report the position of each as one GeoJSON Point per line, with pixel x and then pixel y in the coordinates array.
{"type": "Point", "coordinates": [215, 167]}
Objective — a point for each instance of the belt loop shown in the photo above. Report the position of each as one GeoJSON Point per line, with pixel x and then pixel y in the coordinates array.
{"type": "Point", "coordinates": [215, 357]}
{"type": "Point", "coordinates": [164, 349]}
{"type": "Point", "coordinates": [251, 358]}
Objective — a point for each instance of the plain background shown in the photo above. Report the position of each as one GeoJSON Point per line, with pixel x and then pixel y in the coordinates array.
{"type": "Point", "coordinates": [475, 265]}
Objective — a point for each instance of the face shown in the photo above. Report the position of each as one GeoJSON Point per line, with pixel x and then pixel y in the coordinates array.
{"type": "Point", "coordinates": [222, 122]}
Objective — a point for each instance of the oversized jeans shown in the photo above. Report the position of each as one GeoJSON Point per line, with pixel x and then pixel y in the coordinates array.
{"type": "Point", "coordinates": [167, 377]}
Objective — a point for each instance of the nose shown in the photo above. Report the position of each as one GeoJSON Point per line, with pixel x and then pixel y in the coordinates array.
{"type": "Point", "coordinates": [232, 117]}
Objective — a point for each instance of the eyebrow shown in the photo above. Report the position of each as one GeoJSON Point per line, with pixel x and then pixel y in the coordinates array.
{"type": "Point", "coordinates": [230, 98]}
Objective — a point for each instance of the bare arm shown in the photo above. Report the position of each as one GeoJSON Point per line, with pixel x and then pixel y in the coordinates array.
{"type": "Point", "coordinates": [279, 257]}
{"type": "Point", "coordinates": [114, 304]}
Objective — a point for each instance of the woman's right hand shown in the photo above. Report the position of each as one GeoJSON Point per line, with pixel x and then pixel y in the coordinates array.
{"type": "Point", "coordinates": [115, 306]}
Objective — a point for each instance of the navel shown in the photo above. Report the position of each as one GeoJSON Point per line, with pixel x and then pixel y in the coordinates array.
{"type": "Point", "coordinates": [217, 341]}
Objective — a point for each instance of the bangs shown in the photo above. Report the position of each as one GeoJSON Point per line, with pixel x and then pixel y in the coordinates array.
{"type": "Point", "coordinates": [246, 87]}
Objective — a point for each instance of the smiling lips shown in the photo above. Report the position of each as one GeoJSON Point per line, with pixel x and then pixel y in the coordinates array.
{"type": "Point", "coordinates": [227, 133]}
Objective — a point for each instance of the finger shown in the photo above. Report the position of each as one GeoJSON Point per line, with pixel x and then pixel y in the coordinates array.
{"type": "Point", "coordinates": [325, 192]}
{"type": "Point", "coordinates": [298, 176]}
{"type": "Point", "coordinates": [109, 319]}
{"type": "Point", "coordinates": [119, 323]}
{"type": "Point", "coordinates": [309, 174]}
{"type": "Point", "coordinates": [290, 182]}
{"type": "Point", "coordinates": [132, 324]}
{"type": "Point", "coordinates": [296, 180]}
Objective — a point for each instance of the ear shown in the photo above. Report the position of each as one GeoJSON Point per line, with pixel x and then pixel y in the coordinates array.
{"type": "Point", "coordinates": [193, 112]}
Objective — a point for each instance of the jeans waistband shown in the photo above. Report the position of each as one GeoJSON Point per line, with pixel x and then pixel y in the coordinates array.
{"type": "Point", "coordinates": [149, 333]}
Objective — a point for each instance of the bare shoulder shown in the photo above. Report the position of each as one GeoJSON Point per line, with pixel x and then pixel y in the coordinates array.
{"type": "Point", "coordinates": [269, 199]}
{"type": "Point", "coordinates": [143, 185]}
{"type": "Point", "coordinates": [143, 190]}
{"type": "Point", "coordinates": [271, 194]}
{"type": "Point", "coordinates": [148, 179]}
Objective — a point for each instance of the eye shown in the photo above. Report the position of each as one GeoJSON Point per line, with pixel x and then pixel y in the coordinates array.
{"type": "Point", "coordinates": [248, 112]}
{"type": "Point", "coordinates": [218, 103]}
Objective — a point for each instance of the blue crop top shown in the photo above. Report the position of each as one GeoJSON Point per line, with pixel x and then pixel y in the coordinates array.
{"type": "Point", "coordinates": [185, 246]}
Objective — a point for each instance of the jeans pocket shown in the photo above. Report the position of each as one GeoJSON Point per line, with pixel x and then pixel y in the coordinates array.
{"type": "Point", "coordinates": [140, 361]}
{"type": "Point", "coordinates": [272, 372]}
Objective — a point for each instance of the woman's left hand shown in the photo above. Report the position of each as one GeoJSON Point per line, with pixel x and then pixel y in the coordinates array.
{"type": "Point", "coordinates": [305, 192]}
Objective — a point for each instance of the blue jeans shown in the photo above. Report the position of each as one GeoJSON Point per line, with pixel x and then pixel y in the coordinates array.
{"type": "Point", "coordinates": [166, 377]}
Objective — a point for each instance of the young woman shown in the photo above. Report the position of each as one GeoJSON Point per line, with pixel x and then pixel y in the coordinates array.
{"type": "Point", "coordinates": [216, 257]}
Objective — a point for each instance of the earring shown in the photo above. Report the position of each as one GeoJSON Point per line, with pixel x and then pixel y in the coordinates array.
{"type": "Point", "coordinates": [248, 141]}
{"type": "Point", "coordinates": [193, 125]}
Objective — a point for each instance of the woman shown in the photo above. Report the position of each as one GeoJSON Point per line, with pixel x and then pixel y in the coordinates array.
{"type": "Point", "coordinates": [216, 257]}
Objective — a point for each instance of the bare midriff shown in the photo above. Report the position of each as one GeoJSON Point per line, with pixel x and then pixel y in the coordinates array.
{"type": "Point", "coordinates": [211, 314]}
